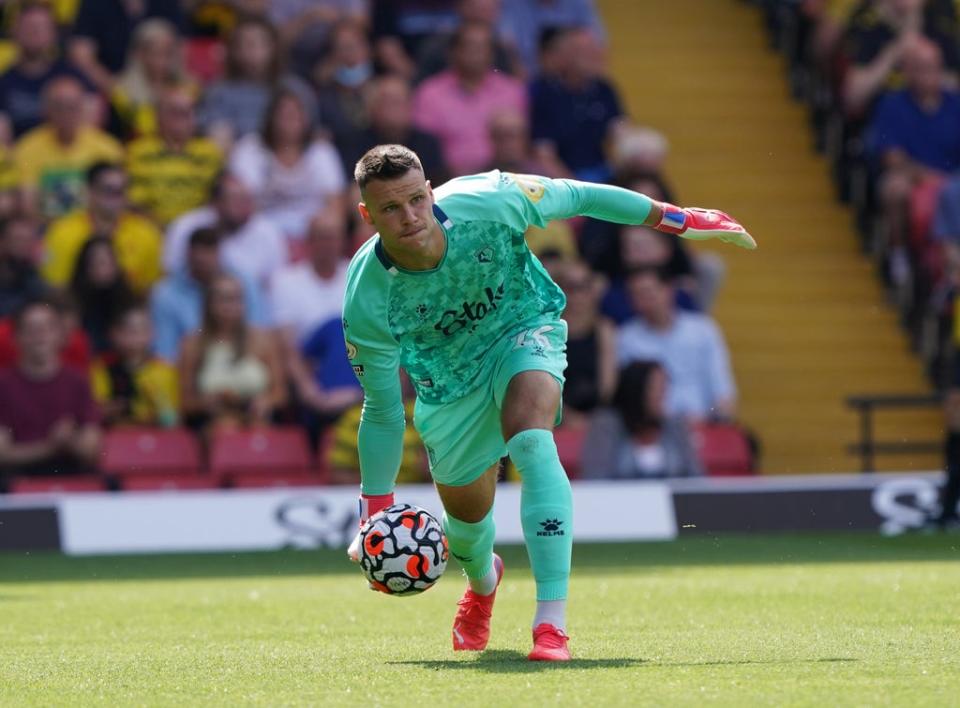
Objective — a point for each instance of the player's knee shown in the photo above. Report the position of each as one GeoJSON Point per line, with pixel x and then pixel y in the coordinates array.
{"type": "Point", "coordinates": [531, 402]}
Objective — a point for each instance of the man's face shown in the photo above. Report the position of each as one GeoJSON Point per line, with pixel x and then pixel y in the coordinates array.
{"type": "Point", "coordinates": [390, 109]}
{"type": "Point", "coordinates": [40, 334]}
{"type": "Point", "coordinates": [326, 241]}
{"type": "Point", "coordinates": [651, 298]}
{"type": "Point", "coordinates": [401, 209]}
{"type": "Point", "coordinates": [36, 33]}
{"type": "Point", "coordinates": [923, 70]}
{"type": "Point", "coordinates": [473, 54]}
{"type": "Point", "coordinates": [108, 194]}
{"type": "Point", "coordinates": [203, 261]}
{"type": "Point", "coordinates": [64, 105]}
{"type": "Point", "coordinates": [176, 120]}
{"type": "Point", "coordinates": [234, 204]}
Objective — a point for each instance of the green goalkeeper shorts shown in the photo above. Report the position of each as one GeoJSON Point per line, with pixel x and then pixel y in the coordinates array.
{"type": "Point", "coordinates": [463, 438]}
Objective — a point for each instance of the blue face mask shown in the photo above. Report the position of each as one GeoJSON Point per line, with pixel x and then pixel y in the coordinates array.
{"type": "Point", "coordinates": [353, 76]}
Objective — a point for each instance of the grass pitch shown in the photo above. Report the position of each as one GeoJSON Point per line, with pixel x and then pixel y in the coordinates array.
{"type": "Point", "coordinates": [814, 620]}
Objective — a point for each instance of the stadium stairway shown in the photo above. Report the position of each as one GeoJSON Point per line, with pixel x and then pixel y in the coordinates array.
{"type": "Point", "coordinates": [804, 316]}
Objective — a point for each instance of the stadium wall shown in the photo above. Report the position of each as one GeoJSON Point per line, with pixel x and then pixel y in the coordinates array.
{"type": "Point", "coordinates": [265, 519]}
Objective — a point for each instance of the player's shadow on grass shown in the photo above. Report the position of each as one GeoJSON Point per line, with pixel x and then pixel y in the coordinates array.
{"type": "Point", "coordinates": [508, 661]}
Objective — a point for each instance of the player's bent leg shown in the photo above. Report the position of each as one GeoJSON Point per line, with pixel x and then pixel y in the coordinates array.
{"type": "Point", "coordinates": [546, 503]}
{"type": "Point", "coordinates": [468, 524]}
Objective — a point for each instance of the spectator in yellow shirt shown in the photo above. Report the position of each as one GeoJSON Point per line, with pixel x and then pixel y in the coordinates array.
{"type": "Point", "coordinates": [173, 171]}
{"type": "Point", "coordinates": [136, 240]}
{"type": "Point", "coordinates": [132, 386]}
{"type": "Point", "coordinates": [53, 157]}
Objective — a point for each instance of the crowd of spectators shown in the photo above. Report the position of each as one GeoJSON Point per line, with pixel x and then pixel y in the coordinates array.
{"type": "Point", "coordinates": [177, 214]}
{"type": "Point", "coordinates": [880, 78]}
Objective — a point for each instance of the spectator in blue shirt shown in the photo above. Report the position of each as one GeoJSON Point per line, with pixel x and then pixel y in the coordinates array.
{"type": "Point", "coordinates": [523, 22]}
{"type": "Point", "coordinates": [176, 302]}
{"type": "Point", "coordinates": [915, 134]}
{"type": "Point", "coordinates": [688, 345]}
{"type": "Point", "coordinates": [573, 112]}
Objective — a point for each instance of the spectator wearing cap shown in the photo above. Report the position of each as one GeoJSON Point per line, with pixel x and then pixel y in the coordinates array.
{"type": "Point", "coordinates": [38, 61]}
{"type": "Point", "coordinates": [48, 420]}
{"type": "Point", "coordinates": [176, 303]}
{"type": "Point", "coordinates": [456, 104]}
{"type": "Point", "coordinates": [250, 244]}
{"type": "Point", "coordinates": [135, 239]}
{"type": "Point", "coordinates": [688, 345]}
{"type": "Point", "coordinates": [52, 159]}
{"type": "Point", "coordinates": [172, 172]}
{"type": "Point", "coordinates": [293, 173]}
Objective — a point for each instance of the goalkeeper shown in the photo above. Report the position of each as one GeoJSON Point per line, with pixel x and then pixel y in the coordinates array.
{"type": "Point", "coordinates": [449, 291]}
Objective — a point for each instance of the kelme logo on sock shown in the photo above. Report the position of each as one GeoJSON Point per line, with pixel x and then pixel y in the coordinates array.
{"type": "Point", "coordinates": [551, 527]}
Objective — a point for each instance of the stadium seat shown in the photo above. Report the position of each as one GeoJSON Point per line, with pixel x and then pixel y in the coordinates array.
{"type": "Point", "coordinates": [135, 451]}
{"type": "Point", "coordinates": [161, 481]}
{"type": "Point", "coordinates": [278, 451]}
{"type": "Point", "coordinates": [570, 446]}
{"type": "Point", "coordinates": [46, 485]}
{"type": "Point", "coordinates": [923, 207]}
{"type": "Point", "coordinates": [250, 480]}
{"type": "Point", "coordinates": [723, 449]}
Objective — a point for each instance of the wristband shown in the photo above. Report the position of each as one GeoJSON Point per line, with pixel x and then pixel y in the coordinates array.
{"type": "Point", "coordinates": [673, 221]}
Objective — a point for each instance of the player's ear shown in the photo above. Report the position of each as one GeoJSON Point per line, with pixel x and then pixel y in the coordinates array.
{"type": "Point", "coordinates": [430, 190]}
{"type": "Point", "coordinates": [365, 214]}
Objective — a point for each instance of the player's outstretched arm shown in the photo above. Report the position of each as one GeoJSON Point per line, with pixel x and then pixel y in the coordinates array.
{"type": "Point", "coordinates": [698, 224]}
{"type": "Point", "coordinates": [562, 198]}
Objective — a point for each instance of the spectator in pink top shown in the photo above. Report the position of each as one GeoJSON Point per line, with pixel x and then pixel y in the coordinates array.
{"type": "Point", "coordinates": [456, 104]}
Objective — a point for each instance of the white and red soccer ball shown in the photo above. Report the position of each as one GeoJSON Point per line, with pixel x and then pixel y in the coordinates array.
{"type": "Point", "coordinates": [403, 550]}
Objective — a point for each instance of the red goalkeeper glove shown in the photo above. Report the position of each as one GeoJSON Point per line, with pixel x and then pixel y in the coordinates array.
{"type": "Point", "coordinates": [370, 504]}
{"type": "Point", "coordinates": [703, 224]}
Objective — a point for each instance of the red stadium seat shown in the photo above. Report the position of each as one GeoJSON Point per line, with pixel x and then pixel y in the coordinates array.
{"type": "Point", "coordinates": [204, 58]}
{"type": "Point", "coordinates": [923, 207]}
{"type": "Point", "coordinates": [135, 451]}
{"type": "Point", "coordinates": [570, 447]}
{"type": "Point", "coordinates": [723, 449]}
{"type": "Point", "coordinates": [250, 480]}
{"type": "Point", "coordinates": [278, 451]}
{"type": "Point", "coordinates": [159, 481]}
{"type": "Point", "coordinates": [33, 485]}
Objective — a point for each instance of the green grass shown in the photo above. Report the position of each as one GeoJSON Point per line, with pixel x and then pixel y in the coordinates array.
{"type": "Point", "coordinates": [817, 620]}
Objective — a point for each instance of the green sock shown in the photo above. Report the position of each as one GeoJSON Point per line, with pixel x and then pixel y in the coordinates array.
{"type": "Point", "coordinates": [546, 510]}
{"type": "Point", "coordinates": [471, 544]}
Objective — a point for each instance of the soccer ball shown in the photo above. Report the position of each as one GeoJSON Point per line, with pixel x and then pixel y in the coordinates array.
{"type": "Point", "coordinates": [403, 550]}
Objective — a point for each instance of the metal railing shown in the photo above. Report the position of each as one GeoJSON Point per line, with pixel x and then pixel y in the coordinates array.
{"type": "Point", "coordinates": [868, 447]}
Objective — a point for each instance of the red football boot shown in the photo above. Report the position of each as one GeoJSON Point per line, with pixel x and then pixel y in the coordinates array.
{"type": "Point", "coordinates": [471, 626]}
{"type": "Point", "coordinates": [549, 644]}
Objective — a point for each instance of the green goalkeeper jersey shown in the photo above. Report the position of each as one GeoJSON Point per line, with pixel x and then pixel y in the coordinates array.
{"type": "Point", "coordinates": [440, 324]}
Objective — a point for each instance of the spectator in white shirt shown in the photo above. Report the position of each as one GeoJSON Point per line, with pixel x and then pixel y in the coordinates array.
{"type": "Point", "coordinates": [250, 245]}
{"type": "Point", "coordinates": [689, 346]}
{"type": "Point", "coordinates": [293, 175]}
{"type": "Point", "coordinates": [307, 307]}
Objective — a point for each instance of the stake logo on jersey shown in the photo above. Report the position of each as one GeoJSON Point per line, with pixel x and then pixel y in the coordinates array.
{"type": "Point", "coordinates": [470, 313]}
